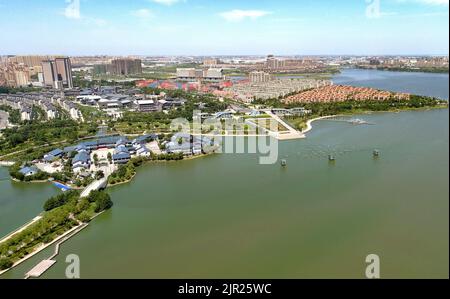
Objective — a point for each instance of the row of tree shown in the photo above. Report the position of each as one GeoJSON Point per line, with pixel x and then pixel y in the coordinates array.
{"type": "Point", "coordinates": [62, 212]}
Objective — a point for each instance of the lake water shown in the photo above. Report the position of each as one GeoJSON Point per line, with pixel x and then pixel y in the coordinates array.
{"type": "Point", "coordinates": [20, 202]}
{"type": "Point", "coordinates": [427, 84]}
{"type": "Point", "coordinates": [227, 216]}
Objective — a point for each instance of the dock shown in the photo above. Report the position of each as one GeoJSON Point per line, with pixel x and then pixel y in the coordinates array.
{"type": "Point", "coordinates": [46, 264]}
{"type": "Point", "coordinates": [40, 268]}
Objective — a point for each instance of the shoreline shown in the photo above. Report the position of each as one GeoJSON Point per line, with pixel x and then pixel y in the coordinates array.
{"type": "Point", "coordinates": [44, 246]}
{"type": "Point", "coordinates": [190, 158]}
{"type": "Point", "coordinates": [400, 70]}
{"type": "Point", "coordinates": [309, 122]}
{"type": "Point", "coordinates": [20, 229]}
{"type": "Point", "coordinates": [39, 249]}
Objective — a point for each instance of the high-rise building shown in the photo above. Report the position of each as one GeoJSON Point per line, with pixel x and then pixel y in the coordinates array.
{"type": "Point", "coordinates": [258, 77]}
{"type": "Point", "coordinates": [187, 74]}
{"type": "Point", "coordinates": [275, 63]}
{"type": "Point", "coordinates": [213, 75]}
{"type": "Point", "coordinates": [64, 71]}
{"type": "Point", "coordinates": [14, 75]}
{"type": "Point", "coordinates": [30, 60]}
{"type": "Point", "coordinates": [48, 70]}
{"type": "Point", "coordinates": [192, 74]}
{"type": "Point", "coordinates": [126, 66]}
{"type": "Point", "coordinates": [212, 62]}
{"type": "Point", "coordinates": [100, 69]}
{"type": "Point", "coordinates": [58, 73]}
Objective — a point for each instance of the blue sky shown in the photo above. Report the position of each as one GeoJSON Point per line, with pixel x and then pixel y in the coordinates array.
{"type": "Point", "coordinates": [224, 27]}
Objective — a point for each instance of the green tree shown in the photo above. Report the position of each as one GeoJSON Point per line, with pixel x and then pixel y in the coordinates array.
{"type": "Point", "coordinates": [5, 263]}
{"type": "Point", "coordinates": [99, 175]}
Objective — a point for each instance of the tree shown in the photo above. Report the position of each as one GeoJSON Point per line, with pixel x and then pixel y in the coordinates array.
{"type": "Point", "coordinates": [99, 175]}
{"type": "Point", "coordinates": [60, 200]}
{"type": "Point", "coordinates": [102, 203]}
{"type": "Point", "coordinates": [109, 158]}
{"type": "Point", "coordinates": [84, 217]}
{"type": "Point", "coordinates": [101, 199]}
{"type": "Point", "coordinates": [5, 263]}
{"type": "Point", "coordinates": [96, 159]}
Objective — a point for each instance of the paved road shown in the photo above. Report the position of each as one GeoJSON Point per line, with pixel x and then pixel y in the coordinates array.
{"type": "Point", "coordinates": [291, 134]}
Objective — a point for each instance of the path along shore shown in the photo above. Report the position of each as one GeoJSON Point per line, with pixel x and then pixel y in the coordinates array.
{"type": "Point", "coordinates": [309, 122]}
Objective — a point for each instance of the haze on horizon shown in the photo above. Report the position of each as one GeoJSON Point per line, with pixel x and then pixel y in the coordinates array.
{"type": "Point", "coordinates": [225, 27]}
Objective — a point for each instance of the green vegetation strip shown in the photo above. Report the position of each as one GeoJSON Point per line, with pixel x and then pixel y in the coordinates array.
{"type": "Point", "coordinates": [62, 212]}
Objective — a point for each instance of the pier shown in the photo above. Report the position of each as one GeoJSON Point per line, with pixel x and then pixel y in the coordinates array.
{"type": "Point", "coordinates": [46, 264]}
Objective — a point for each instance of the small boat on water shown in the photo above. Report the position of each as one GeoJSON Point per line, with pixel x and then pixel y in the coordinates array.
{"type": "Point", "coordinates": [283, 162]}
{"type": "Point", "coordinates": [331, 158]}
{"type": "Point", "coordinates": [358, 121]}
{"type": "Point", "coordinates": [376, 153]}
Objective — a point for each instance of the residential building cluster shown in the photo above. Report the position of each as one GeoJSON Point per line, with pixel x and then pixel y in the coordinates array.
{"type": "Point", "coordinates": [135, 100]}
{"type": "Point", "coordinates": [90, 156]}
{"type": "Point", "coordinates": [187, 144]}
{"type": "Point", "coordinates": [340, 93]}
{"type": "Point", "coordinates": [119, 67]}
{"type": "Point", "coordinates": [14, 75]}
{"type": "Point", "coordinates": [259, 76]}
{"type": "Point", "coordinates": [48, 102]}
{"type": "Point", "coordinates": [285, 65]}
{"type": "Point", "coordinates": [40, 71]}
{"type": "Point", "coordinates": [203, 75]}
{"type": "Point", "coordinates": [249, 91]}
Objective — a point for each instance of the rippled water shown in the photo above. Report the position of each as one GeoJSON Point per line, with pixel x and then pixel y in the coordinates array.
{"type": "Point", "coordinates": [227, 216]}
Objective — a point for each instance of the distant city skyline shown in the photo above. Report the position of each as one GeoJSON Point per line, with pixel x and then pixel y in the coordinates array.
{"type": "Point", "coordinates": [231, 27]}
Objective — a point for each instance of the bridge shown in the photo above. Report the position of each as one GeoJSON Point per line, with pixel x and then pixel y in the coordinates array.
{"type": "Point", "coordinates": [96, 185]}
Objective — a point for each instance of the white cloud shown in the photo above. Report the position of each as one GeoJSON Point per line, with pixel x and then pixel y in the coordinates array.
{"type": "Point", "coordinates": [237, 15]}
{"type": "Point", "coordinates": [142, 13]}
{"type": "Point", "coordinates": [166, 2]}
{"type": "Point", "coordinates": [72, 10]}
{"type": "Point", "coordinates": [435, 2]}
{"type": "Point", "coordinates": [428, 2]}
{"type": "Point", "coordinates": [98, 22]}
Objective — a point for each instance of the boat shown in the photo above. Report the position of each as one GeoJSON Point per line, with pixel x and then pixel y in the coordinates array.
{"type": "Point", "coordinates": [331, 158]}
{"type": "Point", "coordinates": [376, 153]}
{"type": "Point", "coordinates": [357, 121]}
{"type": "Point", "coordinates": [283, 162]}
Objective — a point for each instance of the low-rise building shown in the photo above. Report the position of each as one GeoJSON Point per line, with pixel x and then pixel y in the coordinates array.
{"type": "Point", "coordinates": [53, 155]}
{"type": "Point", "coordinates": [81, 162]}
{"type": "Point", "coordinates": [121, 155]}
{"type": "Point", "coordinates": [29, 170]}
